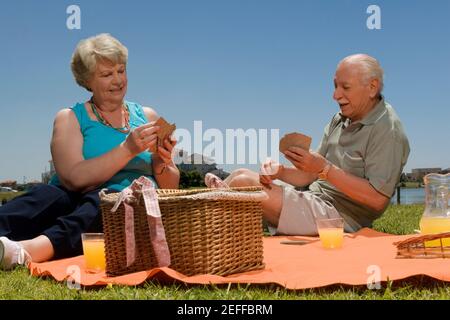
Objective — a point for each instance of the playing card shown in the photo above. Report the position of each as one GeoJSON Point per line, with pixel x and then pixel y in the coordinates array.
{"type": "Point", "coordinates": [165, 130]}
{"type": "Point", "coordinates": [295, 139]}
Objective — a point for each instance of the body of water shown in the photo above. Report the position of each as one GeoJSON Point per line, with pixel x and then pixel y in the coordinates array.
{"type": "Point", "coordinates": [410, 196]}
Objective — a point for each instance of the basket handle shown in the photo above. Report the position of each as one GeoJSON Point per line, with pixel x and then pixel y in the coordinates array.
{"type": "Point", "coordinates": [102, 193]}
{"type": "Point", "coordinates": [223, 195]}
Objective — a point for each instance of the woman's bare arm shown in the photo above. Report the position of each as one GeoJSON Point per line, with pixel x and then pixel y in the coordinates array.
{"type": "Point", "coordinates": [78, 174]}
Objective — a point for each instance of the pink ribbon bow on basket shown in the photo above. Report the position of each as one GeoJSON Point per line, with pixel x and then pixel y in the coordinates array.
{"type": "Point", "coordinates": [157, 235]}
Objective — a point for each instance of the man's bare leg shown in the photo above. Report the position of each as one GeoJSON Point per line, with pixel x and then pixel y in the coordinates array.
{"type": "Point", "coordinates": [272, 206]}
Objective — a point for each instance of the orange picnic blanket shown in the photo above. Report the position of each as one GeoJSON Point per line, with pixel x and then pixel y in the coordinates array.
{"type": "Point", "coordinates": [364, 256]}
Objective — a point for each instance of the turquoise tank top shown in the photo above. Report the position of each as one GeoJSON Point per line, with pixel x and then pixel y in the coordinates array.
{"type": "Point", "coordinates": [98, 139]}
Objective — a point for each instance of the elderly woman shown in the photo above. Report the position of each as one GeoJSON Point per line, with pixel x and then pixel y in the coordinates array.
{"type": "Point", "coordinates": [101, 143]}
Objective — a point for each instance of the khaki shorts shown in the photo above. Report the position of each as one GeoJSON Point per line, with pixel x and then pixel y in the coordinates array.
{"type": "Point", "coordinates": [299, 212]}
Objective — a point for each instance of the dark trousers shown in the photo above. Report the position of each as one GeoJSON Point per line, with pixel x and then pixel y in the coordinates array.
{"type": "Point", "coordinates": [55, 212]}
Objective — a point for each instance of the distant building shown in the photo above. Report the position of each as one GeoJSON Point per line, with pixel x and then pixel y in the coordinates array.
{"type": "Point", "coordinates": [419, 173]}
{"type": "Point", "coordinates": [9, 184]}
{"type": "Point", "coordinates": [197, 162]}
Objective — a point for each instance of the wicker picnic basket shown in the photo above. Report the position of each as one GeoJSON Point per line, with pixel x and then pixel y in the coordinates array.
{"type": "Point", "coordinates": [420, 247]}
{"type": "Point", "coordinates": [216, 235]}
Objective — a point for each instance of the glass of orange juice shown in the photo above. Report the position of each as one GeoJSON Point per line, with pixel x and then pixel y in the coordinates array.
{"type": "Point", "coordinates": [331, 232]}
{"type": "Point", "coordinates": [432, 225]}
{"type": "Point", "coordinates": [94, 251]}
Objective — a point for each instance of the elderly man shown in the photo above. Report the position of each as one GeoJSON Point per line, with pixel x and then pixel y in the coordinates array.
{"type": "Point", "coordinates": [358, 164]}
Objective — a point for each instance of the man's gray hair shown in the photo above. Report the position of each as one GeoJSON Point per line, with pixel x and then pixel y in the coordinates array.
{"type": "Point", "coordinates": [370, 67]}
{"type": "Point", "coordinates": [90, 50]}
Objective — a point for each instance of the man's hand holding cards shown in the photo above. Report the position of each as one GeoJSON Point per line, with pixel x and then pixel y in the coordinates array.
{"type": "Point", "coordinates": [295, 146]}
{"type": "Point", "coordinates": [295, 140]}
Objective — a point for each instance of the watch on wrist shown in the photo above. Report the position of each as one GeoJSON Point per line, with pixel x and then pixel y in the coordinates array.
{"type": "Point", "coordinates": [323, 175]}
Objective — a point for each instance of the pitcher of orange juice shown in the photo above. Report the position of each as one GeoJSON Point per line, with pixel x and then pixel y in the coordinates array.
{"type": "Point", "coordinates": [436, 217]}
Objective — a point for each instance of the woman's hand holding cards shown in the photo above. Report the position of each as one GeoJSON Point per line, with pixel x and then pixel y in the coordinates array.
{"type": "Point", "coordinates": [162, 150]}
{"type": "Point", "coordinates": [165, 150]}
{"type": "Point", "coordinates": [141, 138]}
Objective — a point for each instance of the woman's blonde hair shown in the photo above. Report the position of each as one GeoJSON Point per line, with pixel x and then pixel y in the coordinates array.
{"type": "Point", "coordinates": [90, 50]}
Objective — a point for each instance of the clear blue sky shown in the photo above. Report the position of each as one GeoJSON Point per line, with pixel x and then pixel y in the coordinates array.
{"type": "Point", "coordinates": [232, 64]}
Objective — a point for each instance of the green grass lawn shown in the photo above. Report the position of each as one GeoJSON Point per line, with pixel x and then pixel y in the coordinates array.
{"type": "Point", "coordinates": [9, 195]}
{"type": "Point", "coordinates": [412, 184]}
{"type": "Point", "coordinates": [403, 219]}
